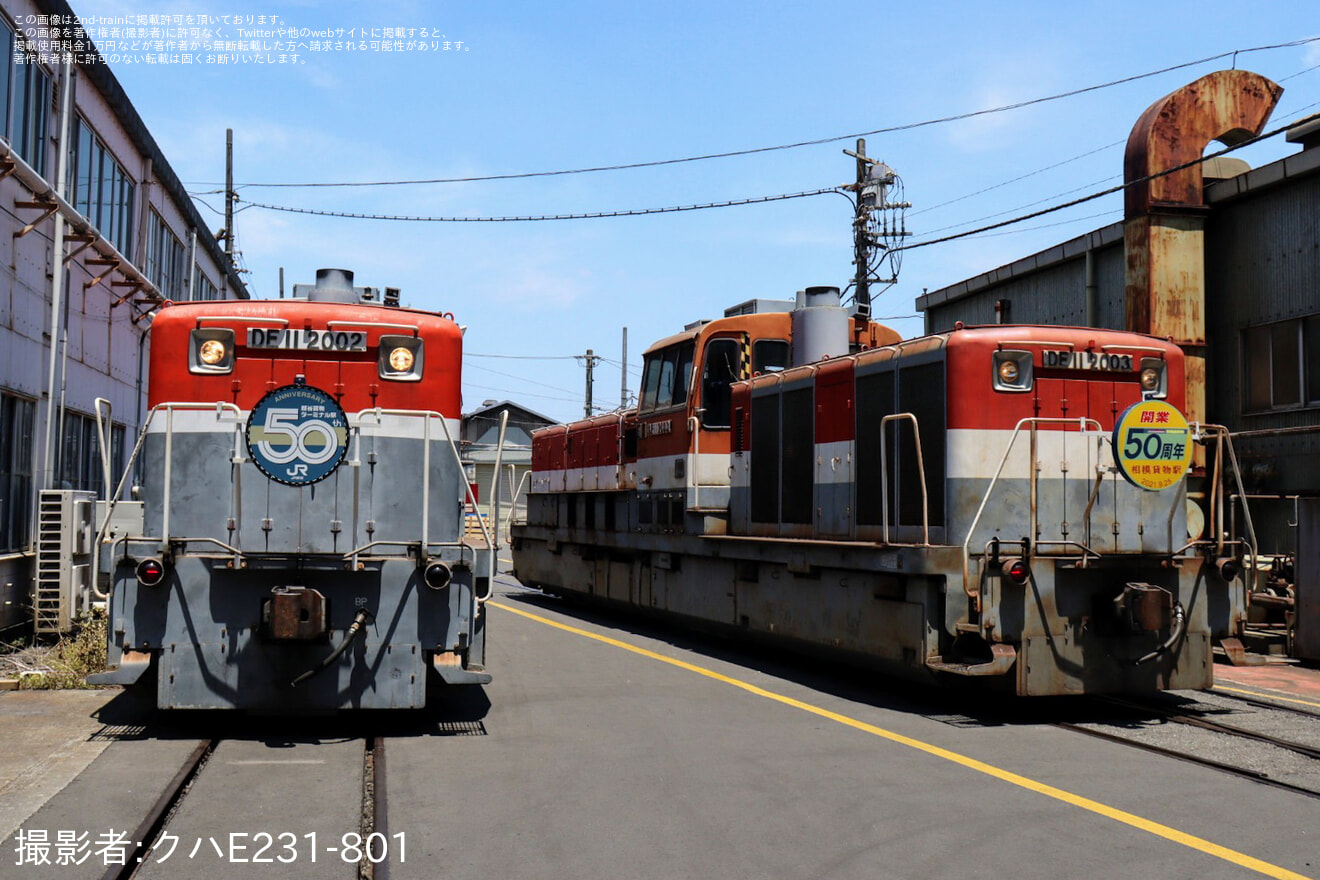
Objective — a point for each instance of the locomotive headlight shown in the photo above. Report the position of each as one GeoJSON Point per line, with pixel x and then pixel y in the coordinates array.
{"type": "Point", "coordinates": [1153, 378]}
{"type": "Point", "coordinates": [212, 352]}
{"type": "Point", "coordinates": [1012, 371]}
{"type": "Point", "coordinates": [401, 358]}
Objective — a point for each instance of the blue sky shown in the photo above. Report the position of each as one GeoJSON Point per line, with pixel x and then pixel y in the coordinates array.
{"type": "Point", "coordinates": [541, 87]}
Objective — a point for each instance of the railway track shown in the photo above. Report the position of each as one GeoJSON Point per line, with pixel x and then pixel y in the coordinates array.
{"type": "Point", "coordinates": [1254, 754]}
{"type": "Point", "coordinates": [365, 851]}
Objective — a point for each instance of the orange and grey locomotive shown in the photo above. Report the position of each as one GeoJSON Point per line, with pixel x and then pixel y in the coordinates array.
{"type": "Point", "coordinates": [302, 542]}
{"type": "Point", "coordinates": [1000, 505]}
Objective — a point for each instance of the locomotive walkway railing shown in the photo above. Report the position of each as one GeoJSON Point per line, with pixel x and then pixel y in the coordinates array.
{"type": "Point", "coordinates": [921, 471]}
{"type": "Point", "coordinates": [229, 411]}
{"type": "Point", "coordinates": [1082, 425]}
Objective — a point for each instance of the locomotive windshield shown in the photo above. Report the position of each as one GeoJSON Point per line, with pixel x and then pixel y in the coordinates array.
{"type": "Point", "coordinates": [666, 377]}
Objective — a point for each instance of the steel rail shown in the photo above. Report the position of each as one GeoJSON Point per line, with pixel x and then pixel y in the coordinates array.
{"type": "Point", "coordinates": [153, 824]}
{"type": "Point", "coordinates": [1175, 717]}
{"type": "Point", "coordinates": [1243, 772]}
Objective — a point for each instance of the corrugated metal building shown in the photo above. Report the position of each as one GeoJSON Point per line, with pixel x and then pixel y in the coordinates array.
{"type": "Point", "coordinates": [1229, 267]}
{"type": "Point", "coordinates": [1262, 293]}
{"type": "Point", "coordinates": [96, 230]}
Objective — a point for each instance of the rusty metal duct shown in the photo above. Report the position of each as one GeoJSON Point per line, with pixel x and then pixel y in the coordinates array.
{"type": "Point", "coordinates": [1164, 218]}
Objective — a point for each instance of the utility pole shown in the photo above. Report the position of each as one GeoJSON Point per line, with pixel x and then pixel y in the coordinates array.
{"type": "Point", "coordinates": [861, 242]}
{"type": "Point", "coordinates": [874, 181]}
{"type": "Point", "coordinates": [229, 196]}
{"type": "Point", "coordinates": [623, 389]}
{"type": "Point", "coordinates": [590, 359]}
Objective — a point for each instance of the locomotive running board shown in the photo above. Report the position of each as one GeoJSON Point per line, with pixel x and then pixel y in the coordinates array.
{"type": "Point", "coordinates": [130, 669]}
{"type": "Point", "coordinates": [1238, 655]}
{"type": "Point", "coordinates": [451, 669]}
{"type": "Point", "coordinates": [1003, 658]}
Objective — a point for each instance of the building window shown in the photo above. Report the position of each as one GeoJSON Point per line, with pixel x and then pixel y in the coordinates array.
{"type": "Point", "coordinates": [17, 416]}
{"type": "Point", "coordinates": [80, 465]}
{"type": "Point", "coordinates": [165, 259]}
{"type": "Point", "coordinates": [27, 101]}
{"type": "Point", "coordinates": [203, 289]}
{"type": "Point", "coordinates": [1281, 365]}
{"type": "Point", "coordinates": [100, 188]}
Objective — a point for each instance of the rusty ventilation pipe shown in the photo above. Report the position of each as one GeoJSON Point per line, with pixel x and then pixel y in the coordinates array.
{"type": "Point", "coordinates": [1164, 218]}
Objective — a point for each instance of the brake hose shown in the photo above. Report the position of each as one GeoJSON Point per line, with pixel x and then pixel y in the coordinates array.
{"type": "Point", "coordinates": [359, 621]}
{"type": "Point", "coordinates": [1179, 620]}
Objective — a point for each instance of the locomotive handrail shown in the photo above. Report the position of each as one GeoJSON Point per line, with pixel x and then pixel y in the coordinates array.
{"type": "Point", "coordinates": [921, 470]}
{"type": "Point", "coordinates": [351, 555]}
{"type": "Point", "coordinates": [1038, 342]}
{"type": "Point", "coordinates": [1086, 551]}
{"type": "Point", "coordinates": [416, 331]}
{"type": "Point", "coordinates": [102, 436]}
{"type": "Point", "coordinates": [1126, 347]}
{"type": "Point", "coordinates": [246, 319]}
{"type": "Point", "coordinates": [219, 406]}
{"type": "Point", "coordinates": [458, 460]}
{"type": "Point", "coordinates": [693, 477]}
{"type": "Point", "coordinates": [426, 415]}
{"type": "Point", "coordinates": [1081, 423]}
{"type": "Point", "coordinates": [1225, 437]}
{"type": "Point", "coordinates": [513, 502]}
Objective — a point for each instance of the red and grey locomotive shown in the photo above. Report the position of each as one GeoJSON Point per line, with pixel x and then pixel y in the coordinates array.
{"type": "Point", "coordinates": [302, 545]}
{"type": "Point", "coordinates": [1004, 504]}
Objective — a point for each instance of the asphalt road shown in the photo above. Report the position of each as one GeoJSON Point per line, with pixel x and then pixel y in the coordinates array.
{"type": "Point", "coordinates": [652, 755]}
{"type": "Point", "coordinates": [617, 748]}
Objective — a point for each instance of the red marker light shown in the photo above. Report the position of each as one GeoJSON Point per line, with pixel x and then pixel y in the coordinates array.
{"type": "Point", "coordinates": [150, 572]}
{"type": "Point", "coordinates": [1018, 572]}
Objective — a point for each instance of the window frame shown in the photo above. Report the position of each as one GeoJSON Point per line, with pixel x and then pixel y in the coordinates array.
{"type": "Point", "coordinates": [17, 438]}
{"type": "Point", "coordinates": [1262, 389]}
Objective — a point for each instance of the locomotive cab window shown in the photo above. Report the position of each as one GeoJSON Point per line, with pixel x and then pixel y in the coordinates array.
{"type": "Point", "coordinates": [666, 377]}
{"type": "Point", "coordinates": [723, 367]}
{"type": "Point", "coordinates": [770, 356]}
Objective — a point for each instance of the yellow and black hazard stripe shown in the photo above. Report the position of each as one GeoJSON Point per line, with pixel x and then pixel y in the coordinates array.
{"type": "Point", "coordinates": [745, 369]}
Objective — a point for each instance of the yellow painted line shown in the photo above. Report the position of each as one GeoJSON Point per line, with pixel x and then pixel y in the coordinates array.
{"type": "Point", "coordinates": [1266, 695]}
{"type": "Point", "coordinates": [1197, 843]}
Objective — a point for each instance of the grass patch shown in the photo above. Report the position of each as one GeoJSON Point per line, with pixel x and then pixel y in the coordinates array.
{"type": "Point", "coordinates": [64, 665]}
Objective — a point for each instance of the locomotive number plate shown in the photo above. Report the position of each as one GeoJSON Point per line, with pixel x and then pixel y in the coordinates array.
{"type": "Point", "coordinates": [307, 340]}
{"type": "Point", "coordinates": [1086, 360]}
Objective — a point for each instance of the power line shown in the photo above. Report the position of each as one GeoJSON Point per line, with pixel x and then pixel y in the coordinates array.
{"type": "Point", "coordinates": [807, 143]}
{"type": "Point", "coordinates": [521, 378]}
{"type": "Point", "coordinates": [1066, 192]}
{"type": "Point", "coordinates": [1018, 178]}
{"type": "Point", "coordinates": [521, 393]}
{"type": "Point", "coordinates": [1096, 195]}
{"type": "Point", "coordinates": [523, 357]}
{"type": "Point", "coordinates": [595, 215]}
